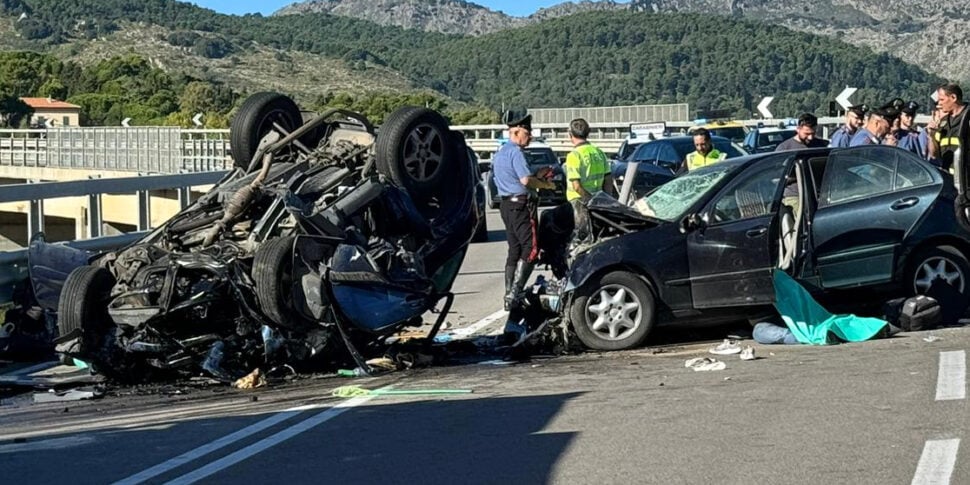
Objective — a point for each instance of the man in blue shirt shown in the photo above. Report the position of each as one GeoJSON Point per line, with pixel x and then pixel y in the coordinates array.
{"type": "Point", "coordinates": [853, 121]}
{"type": "Point", "coordinates": [515, 183]}
{"type": "Point", "coordinates": [877, 127]}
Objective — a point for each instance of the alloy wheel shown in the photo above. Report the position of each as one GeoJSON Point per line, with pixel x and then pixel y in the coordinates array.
{"type": "Point", "coordinates": [423, 152]}
{"type": "Point", "coordinates": [938, 267]}
{"type": "Point", "coordinates": [614, 313]}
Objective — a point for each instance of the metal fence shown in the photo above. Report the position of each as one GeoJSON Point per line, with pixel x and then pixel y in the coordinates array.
{"type": "Point", "coordinates": [137, 149]}
{"type": "Point", "coordinates": [613, 114]}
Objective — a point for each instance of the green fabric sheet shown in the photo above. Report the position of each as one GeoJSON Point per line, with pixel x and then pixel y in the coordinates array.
{"type": "Point", "coordinates": [813, 324]}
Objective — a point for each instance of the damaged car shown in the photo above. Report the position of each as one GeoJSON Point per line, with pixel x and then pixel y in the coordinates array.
{"type": "Point", "coordinates": [853, 226]}
{"type": "Point", "coordinates": [325, 238]}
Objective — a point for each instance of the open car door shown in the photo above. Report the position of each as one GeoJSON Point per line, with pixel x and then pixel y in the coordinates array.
{"type": "Point", "coordinates": [732, 255]}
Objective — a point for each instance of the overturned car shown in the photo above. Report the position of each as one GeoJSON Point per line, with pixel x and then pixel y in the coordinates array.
{"type": "Point", "coordinates": [325, 238]}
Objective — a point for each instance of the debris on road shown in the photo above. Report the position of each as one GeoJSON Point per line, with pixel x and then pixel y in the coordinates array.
{"type": "Point", "coordinates": [748, 353]}
{"type": "Point", "coordinates": [931, 338]}
{"type": "Point", "coordinates": [704, 364]}
{"type": "Point", "coordinates": [69, 395]}
{"type": "Point", "coordinates": [251, 381]}
{"type": "Point", "coordinates": [727, 347]}
{"type": "Point", "coordinates": [356, 391]}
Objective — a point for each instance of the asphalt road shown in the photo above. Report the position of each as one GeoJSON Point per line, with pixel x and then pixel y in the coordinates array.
{"type": "Point", "coordinates": [879, 412]}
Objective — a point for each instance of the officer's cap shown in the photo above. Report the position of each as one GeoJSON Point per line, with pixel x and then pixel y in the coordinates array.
{"type": "Point", "coordinates": [887, 112]}
{"type": "Point", "coordinates": [859, 109]}
{"type": "Point", "coordinates": [911, 108]}
{"type": "Point", "coordinates": [514, 118]}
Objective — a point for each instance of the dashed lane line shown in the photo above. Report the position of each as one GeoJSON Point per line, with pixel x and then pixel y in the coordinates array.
{"type": "Point", "coordinates": [475, 327]}
{"type": "Point", "coordinates": [951, 380]}
{"type": "Point", "coordinates": [936, 463]}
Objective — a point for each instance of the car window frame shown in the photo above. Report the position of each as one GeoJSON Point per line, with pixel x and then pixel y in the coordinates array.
{"type": "Point", "coordinates": [741, 179]}
{"type": "Point", "coordinates": [874, 153]}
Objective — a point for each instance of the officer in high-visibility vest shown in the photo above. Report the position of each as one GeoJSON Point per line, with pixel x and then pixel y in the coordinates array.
{"type": "Point", "coordinates": [705, 153]}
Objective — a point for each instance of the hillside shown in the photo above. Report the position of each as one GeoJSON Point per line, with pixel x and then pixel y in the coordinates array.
{"type": "Point", "coordinates": [588, 59]}
{"type": "Point", "coordinates": [932, 33]}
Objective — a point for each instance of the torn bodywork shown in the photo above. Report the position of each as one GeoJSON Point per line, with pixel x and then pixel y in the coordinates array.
{"type": "Point", "coordinates": [324, 239]}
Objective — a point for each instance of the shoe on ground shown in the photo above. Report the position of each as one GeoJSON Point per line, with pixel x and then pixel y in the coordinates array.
{"type": "Point", "coordinates": [727, 347]}
{"type": "Point", "coordinates": [748, 353]}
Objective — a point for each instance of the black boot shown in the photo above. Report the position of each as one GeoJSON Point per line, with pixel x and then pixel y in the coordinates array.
{"type": "Point", "coordinates": [509, 278]}
{"type": "Point", "coordinates": [514, 296]}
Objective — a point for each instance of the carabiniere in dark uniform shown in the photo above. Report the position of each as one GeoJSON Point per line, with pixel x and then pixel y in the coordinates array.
{"type": "Point", "coordinates": [517, 188]}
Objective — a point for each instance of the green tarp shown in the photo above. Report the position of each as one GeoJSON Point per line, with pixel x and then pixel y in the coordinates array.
{"type": "Point", "coordinates": [813, 324]}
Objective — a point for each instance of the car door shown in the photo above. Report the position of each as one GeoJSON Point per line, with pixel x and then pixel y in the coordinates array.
{"type": "Point", "coordinates": [868, 200]}
{"type": "Point", "coordinates": [730, 257]}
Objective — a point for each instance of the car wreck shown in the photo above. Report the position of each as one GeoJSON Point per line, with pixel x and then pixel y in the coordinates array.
{"type": "Point", "coordinates": [325, 238]}
{"type": "Point", "coordinates": [853, 226]}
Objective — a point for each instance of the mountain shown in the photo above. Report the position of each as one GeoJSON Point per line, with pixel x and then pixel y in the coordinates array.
{"type": "Point", "coordinates": [934, 34]}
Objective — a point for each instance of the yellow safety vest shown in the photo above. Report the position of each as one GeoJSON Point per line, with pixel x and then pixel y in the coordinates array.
{"type": "Point", "coordinates": [696, 160]}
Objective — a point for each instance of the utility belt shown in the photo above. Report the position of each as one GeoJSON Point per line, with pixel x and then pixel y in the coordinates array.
{"type": "Point", "coordinates": [523, 198]}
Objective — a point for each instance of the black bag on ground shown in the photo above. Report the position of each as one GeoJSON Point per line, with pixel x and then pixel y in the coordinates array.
{"type": "Point", "coordinates": [913, 314]}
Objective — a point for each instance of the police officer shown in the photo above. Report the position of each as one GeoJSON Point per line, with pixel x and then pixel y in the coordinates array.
{"type": "Point", "coordinates": [705, 153]}
{"type": "Point", "coordinates": [876, 129]}
{"type": "Point", "coordinates": [516, 185]}
{"type": "Point", "coordinates": [908, 138]}
{"type": "Point", "coordinates": [853, 121]}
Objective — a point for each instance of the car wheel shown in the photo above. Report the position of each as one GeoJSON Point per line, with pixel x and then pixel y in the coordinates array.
{"type": "Point", "coordinates": [83, 304]}
{"type": "Point", "coordinates": [931, 264]}
{"type": "Point", "coordinates": [274, 281]}
{"type": "Point", "coordinates": [414, 150]}
{"type": "Point", "coordinates": [255, 119]}
{"type": "Point", "coordinates": [614, 311]}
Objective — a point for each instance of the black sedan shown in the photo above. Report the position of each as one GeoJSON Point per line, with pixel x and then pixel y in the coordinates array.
{"type": "Point", "coordinates": [852, 225]}
{"type": "Point", "coordinates": [661, 159]}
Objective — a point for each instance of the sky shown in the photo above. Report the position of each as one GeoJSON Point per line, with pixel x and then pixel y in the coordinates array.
{"type": "Point", "coordinates": [239, 7]}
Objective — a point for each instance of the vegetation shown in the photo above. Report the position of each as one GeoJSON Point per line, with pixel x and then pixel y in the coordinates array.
{"type": "Point", "coordinates": [591, 59]}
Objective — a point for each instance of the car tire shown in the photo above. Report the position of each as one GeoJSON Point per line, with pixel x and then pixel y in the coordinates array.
{"type": "Point", "coordinates": [632, 324]}
{"type": "Point", "coordinates": [83, 304]}
{"type": "Point", "coordinates": [414, 150]}
{"type": "Point", "coordinates": [255, 119]}
{"type": "Point", "coordinates": [937, 262]}
{"type": "Point", "coordinates": [273, 279]}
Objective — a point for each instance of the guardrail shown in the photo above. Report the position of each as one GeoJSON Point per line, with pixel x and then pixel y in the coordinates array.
{"type": "Point", "coordinates": [36, 193]}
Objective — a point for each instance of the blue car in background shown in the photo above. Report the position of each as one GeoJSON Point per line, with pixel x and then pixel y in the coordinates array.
{"type": "Point", "coordinates": [660, 161]}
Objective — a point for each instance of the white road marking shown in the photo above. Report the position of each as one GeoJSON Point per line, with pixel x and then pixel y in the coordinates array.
{"type": "Point", "coordinates": [268, 442]}
{"type": "Point", "coordinates": [937, 462]}
{"type": "Point", "coordinates": [951, 381]}
{"type": "Point", "coordinates": [475, 327]}
{"type": "Point", "coordinates": [51, 444]}
{"type": "Point", "coordinates": [215, 445]}
{"type": "Point", "coordinates": [33, 368]}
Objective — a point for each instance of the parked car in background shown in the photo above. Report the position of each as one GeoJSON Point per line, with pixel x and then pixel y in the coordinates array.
{"type": "Point", "coordinates": [855, 226]}
{"type": "Point", "coordinates": [539, 156]}
{"type": "Point", "coordinates": [732, 130]}
{"type": "Point", "coordinates": [661, 159]}
{"type": "Point", "coordinates": [764, 139]}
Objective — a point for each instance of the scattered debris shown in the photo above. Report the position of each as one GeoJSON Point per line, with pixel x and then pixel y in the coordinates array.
{"type": "Point", "coordinates": [931, 338]}
{"type": "Point", "coordinates": [748, 353]}
{"type": "Point", "coordinates": [69, 395]}
{"type": "Point", "coordinates": [705, 364]}
{"type": "Point", "coordinates": [355, 391]}
{"type": "Point", "coordinates": [727, 347]}
{"type": "Point", "coordinates": [251, 381]}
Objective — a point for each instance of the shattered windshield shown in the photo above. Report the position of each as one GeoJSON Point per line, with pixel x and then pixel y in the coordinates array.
{"type": "Point", "coordinates": [669, 201]}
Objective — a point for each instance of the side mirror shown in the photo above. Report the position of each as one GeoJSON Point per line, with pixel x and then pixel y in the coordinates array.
{"type": "Point", "coordinates": [692, 222]}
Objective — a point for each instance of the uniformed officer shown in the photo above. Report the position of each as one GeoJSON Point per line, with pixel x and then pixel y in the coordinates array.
{"type": "Point", "coordinates": [876, 128]}
{"type": "Point", "coordinates": [587, 172]}
{"type": "Point", "coordinates": [908, 138]}
{"type": "Point", "coordinates": [705, 153]}
{"type": "Point", "coordinates": [516, 185]}
{"type": "Point", "coordinates": [854, 117]}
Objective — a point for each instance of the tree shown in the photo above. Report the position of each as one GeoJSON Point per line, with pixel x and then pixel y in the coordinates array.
{"type": "Point", "coordinates": [14, 113]}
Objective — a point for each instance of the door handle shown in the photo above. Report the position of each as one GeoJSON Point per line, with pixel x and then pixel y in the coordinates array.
{"type": "Point", "coordinates": [904, 203]}
{"type": "Point", "coordinates": [759, 231]}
